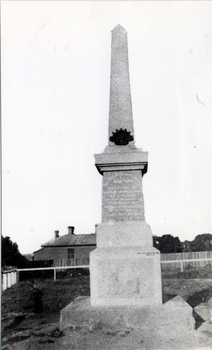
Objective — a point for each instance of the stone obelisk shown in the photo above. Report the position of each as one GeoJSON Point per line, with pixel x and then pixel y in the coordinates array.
{"type": "Point", "coordinates": [125, 267]}
{"type": "Point", "coordinates": [125, 273]}
{"type": "Point", "coordinates": [120, 113]}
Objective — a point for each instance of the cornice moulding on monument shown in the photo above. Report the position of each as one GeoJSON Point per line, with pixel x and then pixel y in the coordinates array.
{"type": "Point", "coordinates": [117, 161]}
{"type": "Point", "coordinates": [122, 167]}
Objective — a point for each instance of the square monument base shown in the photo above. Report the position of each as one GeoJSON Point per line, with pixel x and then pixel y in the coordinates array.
{"type": "Point", "coordinates": [126, 276]}
{"type": "Point", "coordinates": [176, 314]}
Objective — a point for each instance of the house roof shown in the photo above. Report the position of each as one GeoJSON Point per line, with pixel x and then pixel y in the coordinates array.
{"type": "Point", "coordinates": [72, 240]}
{"type": "Point", "coordinates": [36, 251]}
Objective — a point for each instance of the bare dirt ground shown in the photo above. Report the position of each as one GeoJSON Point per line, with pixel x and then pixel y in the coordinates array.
{"type": "Point", "coordinates": [31, 309]}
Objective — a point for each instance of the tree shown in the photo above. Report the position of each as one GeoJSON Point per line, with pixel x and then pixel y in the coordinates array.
{"type": "Point", "coordinates": [11, 255]}
{"type": "Point", "coordinates": [201, 243]}
{"type": "Point", "coordinates": [167, 244]}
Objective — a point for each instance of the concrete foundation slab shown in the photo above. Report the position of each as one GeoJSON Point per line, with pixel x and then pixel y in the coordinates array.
{"type": "Point", "coordinates": [204, 311]}
{"type": "Point", "coordinates": [173, 316]}
{"type": "Point", "coordinates": [206, 327]}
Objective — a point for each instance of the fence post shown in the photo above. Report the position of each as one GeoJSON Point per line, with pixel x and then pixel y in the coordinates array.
{"type": "Point", "coordinates": [15, 276]}
{"type": "Point", "coordinates": [55, 276]}
{"type": "Point", "coordinates": [12, 278]}
{"type": "Point", "coordinates": [16, 273]}
{"type": "Point", "coordinates": [9, 280]}
{"type": "Point", "coordinates": [4, 281]}
{"type": "Point", "coordinates": [181, 265]}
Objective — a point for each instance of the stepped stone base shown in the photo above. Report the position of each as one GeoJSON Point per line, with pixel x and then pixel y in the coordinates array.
{"type": "Point", "coordinates": [125, 276]}
{"type": "Point", "coordinates": [176, 314]}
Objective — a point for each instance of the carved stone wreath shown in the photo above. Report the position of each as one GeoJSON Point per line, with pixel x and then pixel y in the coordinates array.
{"type": "Point", "coordinates": [121, 137]}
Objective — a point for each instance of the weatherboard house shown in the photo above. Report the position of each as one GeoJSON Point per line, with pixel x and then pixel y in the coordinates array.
{"type": "Point", "coordinates": [69, 249]}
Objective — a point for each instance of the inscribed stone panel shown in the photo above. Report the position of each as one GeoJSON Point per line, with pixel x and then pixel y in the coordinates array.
{"type": "Point", "coordinates": [122, 197]}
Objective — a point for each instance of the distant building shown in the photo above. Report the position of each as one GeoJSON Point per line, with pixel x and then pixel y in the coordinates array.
{"type": "Point", "coordinates": [70, 249]}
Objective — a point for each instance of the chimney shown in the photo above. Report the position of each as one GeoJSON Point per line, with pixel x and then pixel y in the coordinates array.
{"type": "Point", "coordinates": [71, 230]}
{"type": "Point", "coordinates": [56, 234]}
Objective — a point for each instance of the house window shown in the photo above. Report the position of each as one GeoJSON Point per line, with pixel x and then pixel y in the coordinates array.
{"type": "Point", "coordinates": [70, 254]}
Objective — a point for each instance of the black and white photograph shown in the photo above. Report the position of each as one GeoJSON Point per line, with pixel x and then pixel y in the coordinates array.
{"type": "Point", "coordinates": [106, 175]}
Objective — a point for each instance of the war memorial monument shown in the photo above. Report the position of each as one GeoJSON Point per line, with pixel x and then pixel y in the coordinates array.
{"type": "Point", "coordinates": [125, 271]}
{"type": "Point", "coordinates": [125, 267]}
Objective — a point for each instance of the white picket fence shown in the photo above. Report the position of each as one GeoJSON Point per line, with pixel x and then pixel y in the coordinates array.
{"type": "Point", "coordinates": [9, 278]}
{"type": "Point", "coordinates": [173, 261]}
{"type": "Point", "coordinates": [54, 268]}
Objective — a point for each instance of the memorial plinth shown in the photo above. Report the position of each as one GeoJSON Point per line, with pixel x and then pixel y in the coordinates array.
{"type": "Point", "coordinates": [126, 276]}
{"type": "Point", "coordinates": [125, 267]}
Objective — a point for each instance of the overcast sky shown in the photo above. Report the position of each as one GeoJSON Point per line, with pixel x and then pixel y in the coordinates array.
{"type": "Point", "coordinates": [55, 108]}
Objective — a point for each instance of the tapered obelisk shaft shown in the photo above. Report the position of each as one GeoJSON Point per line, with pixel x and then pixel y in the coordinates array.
{"type": "Point", "coordinates": [120, 112]}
